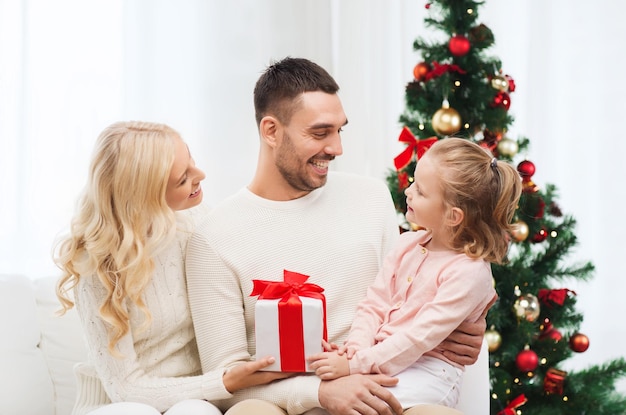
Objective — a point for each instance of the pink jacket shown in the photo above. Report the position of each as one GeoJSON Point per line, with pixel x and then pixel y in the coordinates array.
{"type": "Point", "coordinates": [418, 298]}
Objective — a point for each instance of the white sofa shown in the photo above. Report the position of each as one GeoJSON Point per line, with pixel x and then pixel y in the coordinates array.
{"type": "Point", "coordinates": [38, 350]}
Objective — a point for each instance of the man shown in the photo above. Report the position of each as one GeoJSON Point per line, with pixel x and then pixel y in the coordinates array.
{"type": "Point", "coordinates": [296, 215]}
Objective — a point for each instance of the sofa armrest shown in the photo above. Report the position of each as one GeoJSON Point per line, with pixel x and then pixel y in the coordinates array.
{"type": "Point", "coordinates": [62, 343]}
{"type": "Point", "coordinates": [475, 390]}
{"type": "Point", "coordinates": [25, 383]}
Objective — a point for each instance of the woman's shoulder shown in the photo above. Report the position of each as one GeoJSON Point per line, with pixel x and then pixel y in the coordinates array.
{"type": "Point", "coordinates": [188, 219]}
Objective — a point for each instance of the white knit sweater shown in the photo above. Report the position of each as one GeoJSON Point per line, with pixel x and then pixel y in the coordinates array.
{"type": "Point", "coordinates": [160, 365]}
{"type": "Point", "coordinates": [338, 235]}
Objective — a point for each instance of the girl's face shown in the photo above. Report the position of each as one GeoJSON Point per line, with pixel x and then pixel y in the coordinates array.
{"type": "Point", "coordinates": [183, 187]}
{"type": "Point", "coordinates": [424, 198]}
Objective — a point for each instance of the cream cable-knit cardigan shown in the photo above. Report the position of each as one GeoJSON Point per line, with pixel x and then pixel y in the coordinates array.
{"type": "Point", "coordinates": [160, 365]}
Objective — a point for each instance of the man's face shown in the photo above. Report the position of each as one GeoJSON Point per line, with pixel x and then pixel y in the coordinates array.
{"type": "Point", "coordinates": [310, 141]}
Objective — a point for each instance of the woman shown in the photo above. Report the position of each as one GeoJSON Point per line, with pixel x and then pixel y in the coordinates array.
{"type": "Point", "coordinates": [123, 266]}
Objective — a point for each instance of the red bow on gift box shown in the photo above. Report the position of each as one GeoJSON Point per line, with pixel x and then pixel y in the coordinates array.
{"type": "Point", "coordinates": [414, 146]}
{"type": "Point", "coordinates": [289, 291]}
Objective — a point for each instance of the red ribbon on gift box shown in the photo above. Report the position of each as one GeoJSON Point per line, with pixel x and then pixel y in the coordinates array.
{"type": "Point", "coordinates": [289, 291]}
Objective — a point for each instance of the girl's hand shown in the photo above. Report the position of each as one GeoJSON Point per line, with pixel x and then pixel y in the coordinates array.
{"type": "Point", "coordinates": [348, 351]}
{"type": "Point", "coordinates": [249, 374]}
{"type": "Point", "coordinates": [329, 347]}
{"type": "Point", "coordinates": [329, 365]}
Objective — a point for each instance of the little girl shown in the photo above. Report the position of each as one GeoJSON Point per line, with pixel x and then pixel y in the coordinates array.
{"type": "Point", "coordinates": [463, 200]}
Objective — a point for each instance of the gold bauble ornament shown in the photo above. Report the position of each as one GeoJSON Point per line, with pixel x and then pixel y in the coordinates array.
{"type": "Point", "coordinates": [493, 339]}
{"type": "Point", "coordinates": [527, 307]}
{"type": "Point", "coordinates": [520, 231]}
{"type": "Point", "coordinates": [446, 120]}
{"type": "Point", "coordinates": [500, 83]}
{"type": "Point", "coordinates": [508, 147]}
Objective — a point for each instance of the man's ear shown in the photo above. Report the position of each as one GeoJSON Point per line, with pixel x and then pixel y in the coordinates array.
{"type": "Point", "coordinates": [269, 128]}
{"type": "Point", "coordinates": [455, 216]}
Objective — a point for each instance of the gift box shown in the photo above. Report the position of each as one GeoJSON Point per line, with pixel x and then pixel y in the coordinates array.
{"type": "Point", "coordinates": [290, 321]}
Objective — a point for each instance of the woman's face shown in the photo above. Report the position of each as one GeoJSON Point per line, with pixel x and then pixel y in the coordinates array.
{"type": "Point", "coordinates": [183, 187]}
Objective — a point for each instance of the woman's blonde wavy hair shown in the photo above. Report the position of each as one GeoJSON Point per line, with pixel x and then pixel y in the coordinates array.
{"type": "Point", "coordinates": [486, 189]}
{"type": "Point", "coordinates": [122, 220]}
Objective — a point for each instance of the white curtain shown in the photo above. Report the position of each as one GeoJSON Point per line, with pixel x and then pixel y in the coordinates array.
{"type": "Point", "coordinates": [71, 67]}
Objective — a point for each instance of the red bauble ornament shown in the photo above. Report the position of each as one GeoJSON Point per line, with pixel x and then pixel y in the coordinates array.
{"type": "Point", "coordinates": [420, 70]}
{"type": "Point", "coordinates": [549, 332]}
{"type": "Point", "coordinates": [579, 342]}
{"type": "Point", "coordinates": [541, 235]}
{"type": "Point", "coordinates": [527, 360]}
{"type": "Point", "coordinates": [502, 99]}
{"type": "Point", "coordinates": [555, 335]}
{"type": "Point", "coordinates": [526, 169]}
{"type": "Point", "coordinates": [459, 45]}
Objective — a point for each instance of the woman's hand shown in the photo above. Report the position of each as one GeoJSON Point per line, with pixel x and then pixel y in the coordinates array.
{"type": "Point", "coordinates": [249, 374]}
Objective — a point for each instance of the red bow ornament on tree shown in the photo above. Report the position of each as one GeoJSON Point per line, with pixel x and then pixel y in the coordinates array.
{"type": "Point", "coordinates": [514, 404]}
{"type": "Point", "coordinates": [418, 147]}
{"type": "Point", "coordinates": [551, 297]}
{"type": "Point", "coordinates": [441, 69]}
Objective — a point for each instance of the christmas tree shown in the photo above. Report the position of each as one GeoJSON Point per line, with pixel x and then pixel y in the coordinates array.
{"type": "Point", "coordinates": [457, 89]}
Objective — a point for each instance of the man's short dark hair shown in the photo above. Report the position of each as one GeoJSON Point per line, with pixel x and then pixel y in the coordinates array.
{"type": "Point", "coordinates": [283, 82]}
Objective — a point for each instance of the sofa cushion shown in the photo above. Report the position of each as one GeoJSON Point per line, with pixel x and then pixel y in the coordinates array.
{"type": "Point", "coordinates": [25, 385]}
{"type": "Point", "coordinates": [61, 343]}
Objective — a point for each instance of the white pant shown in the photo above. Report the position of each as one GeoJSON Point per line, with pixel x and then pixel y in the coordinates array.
{"type": "Point", "coordinates": [428, 381]}
{"type": "Point", "coordinates": [187, 407]}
